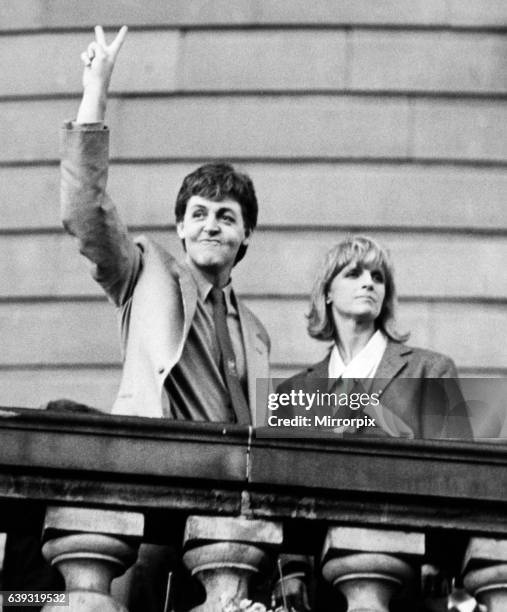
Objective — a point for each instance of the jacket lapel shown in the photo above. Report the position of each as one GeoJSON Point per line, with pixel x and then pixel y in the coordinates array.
{"type": "Point", "coordinates": [320, 369]}
{"type": "Point", "coordinates": [257, 364]}
{"type": "Point", "coordinates": [189, 297]}
{"type": "Point", "coordinates": [394, 360]}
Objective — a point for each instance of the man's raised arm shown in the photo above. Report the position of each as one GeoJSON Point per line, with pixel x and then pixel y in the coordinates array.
{"type": "Point", "coordinates": [87, 212]}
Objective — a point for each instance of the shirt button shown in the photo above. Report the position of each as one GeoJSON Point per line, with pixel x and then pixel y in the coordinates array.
{"type": "Point", "coordinates": [161, 370]}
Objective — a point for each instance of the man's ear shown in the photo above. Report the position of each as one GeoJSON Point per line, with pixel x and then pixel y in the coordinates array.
{"type": "Point", "coordinates": [248, 235]}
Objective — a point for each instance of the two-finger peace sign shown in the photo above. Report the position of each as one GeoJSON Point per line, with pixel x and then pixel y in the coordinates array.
{"type": "Point", "coordinates": [100, 47]}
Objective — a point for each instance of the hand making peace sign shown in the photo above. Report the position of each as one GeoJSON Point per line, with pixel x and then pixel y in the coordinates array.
{"type": "Point", "coordinates": [98, 59]}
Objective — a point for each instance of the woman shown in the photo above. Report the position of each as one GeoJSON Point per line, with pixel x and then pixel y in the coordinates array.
{"type": "Point", "coordinates": [353, 305]}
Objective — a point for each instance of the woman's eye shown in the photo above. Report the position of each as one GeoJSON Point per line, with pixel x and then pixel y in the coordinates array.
{"type": "Point", "coordinates": [353, 273]}
{"type": "Point", "coordinates": [228, 218]}
{"type": "Point", "coordinates": [197, 214]}
{"type": "Point", "coordinates": [378, 277]}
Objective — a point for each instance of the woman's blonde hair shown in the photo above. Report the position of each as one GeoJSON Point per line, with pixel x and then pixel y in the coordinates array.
{"type": "Point", "coordinates": [363, 251]}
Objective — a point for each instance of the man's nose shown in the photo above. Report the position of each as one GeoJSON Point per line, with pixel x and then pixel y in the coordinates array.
{"type": "Point", "coordinates": [211, 224]}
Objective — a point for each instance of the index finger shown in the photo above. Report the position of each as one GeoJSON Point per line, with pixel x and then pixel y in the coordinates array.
{"type": "Point", "coordinates": [118, 41]}
{"type": "Point", "coordinates": [99, 36]}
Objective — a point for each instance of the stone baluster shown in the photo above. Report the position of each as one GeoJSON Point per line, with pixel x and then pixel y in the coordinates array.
{"type": "Point", "coordinates": [90, 547]}
{"type": "Point", "coordinates": [369, 566]}
{"type": "Point", "coordinates": [485, 572]}
{"type": "Point", "coordinates": [226, 554]}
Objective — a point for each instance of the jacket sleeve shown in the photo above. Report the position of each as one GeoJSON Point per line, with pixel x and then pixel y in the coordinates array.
{"type": "Point", "coordinates": [89, 215]}
{"type": "Point", "coordinates": [456, 423]}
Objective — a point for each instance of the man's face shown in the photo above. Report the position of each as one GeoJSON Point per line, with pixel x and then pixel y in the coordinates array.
{"type": "Point", "coordinates": [213, 233]}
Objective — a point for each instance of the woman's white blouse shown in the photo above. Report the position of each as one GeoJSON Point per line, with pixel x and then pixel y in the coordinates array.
{"type": "Point", "coordinates": [364, 364]}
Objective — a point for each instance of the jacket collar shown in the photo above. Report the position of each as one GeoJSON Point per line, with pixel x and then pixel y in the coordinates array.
{"type": "Point", "coordinates": [394, 360]}
{"type": "Point", "coordinates": [320, 369]}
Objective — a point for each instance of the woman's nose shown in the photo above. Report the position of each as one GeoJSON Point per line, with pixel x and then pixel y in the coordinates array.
{"type": "Point", "coordinates": [366, 279]}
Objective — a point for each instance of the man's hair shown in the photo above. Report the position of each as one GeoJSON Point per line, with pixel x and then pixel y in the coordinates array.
{"type": "Point", "coordinates": [219, 181]}
{"type": "Point", "coordinates": [365, 252]}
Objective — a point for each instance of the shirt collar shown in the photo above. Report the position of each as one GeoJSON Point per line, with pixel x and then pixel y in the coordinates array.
{"type": "Point", "coordinates": [204, 287]}
{"type": "Point", "coordinates": [230, 298]}
{"type": "Point", "coordinates": [364, 364]}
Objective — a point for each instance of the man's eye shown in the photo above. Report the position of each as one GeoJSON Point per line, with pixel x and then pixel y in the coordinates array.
{"type": "Point", "coordinates": [197, 214]}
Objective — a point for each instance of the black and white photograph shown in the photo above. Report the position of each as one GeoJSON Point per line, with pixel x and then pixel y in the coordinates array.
{"type": "Point", "coordinates": [253, 291]}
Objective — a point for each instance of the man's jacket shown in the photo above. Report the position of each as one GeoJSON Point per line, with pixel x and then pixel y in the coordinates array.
{"type": "Point", "coordinates": [155, 295]}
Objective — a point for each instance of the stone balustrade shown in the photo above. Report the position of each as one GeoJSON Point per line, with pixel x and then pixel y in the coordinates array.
{"type": "Point", "coordinates": [236, 558]}
{"type": "Point", "coordinates": [317, 525]}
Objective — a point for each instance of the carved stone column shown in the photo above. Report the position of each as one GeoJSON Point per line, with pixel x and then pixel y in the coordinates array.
{"type": "Point", "coordinates": [485, 571]}
{"type": "Point", "coordinates": [226, 554]}
{"type": "Point", "coordinates": [369, 566]}
{"type": "Point", "coordinates": [90, 548]}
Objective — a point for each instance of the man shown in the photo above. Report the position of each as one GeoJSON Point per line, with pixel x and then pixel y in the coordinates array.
{"type": "Point", "coordinates": [177, 319]}
{"type": "Point", "coordinates": [191, 349]}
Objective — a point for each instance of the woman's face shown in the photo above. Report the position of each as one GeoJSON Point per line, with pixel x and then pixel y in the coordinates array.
{"type": "Point", "coordinates": [357, 292]}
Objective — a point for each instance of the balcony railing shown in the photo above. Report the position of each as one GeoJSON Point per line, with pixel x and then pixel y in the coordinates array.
{"type": "Point", "coordinates": [365, 523]}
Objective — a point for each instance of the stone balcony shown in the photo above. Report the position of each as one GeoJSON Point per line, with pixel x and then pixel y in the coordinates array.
{"type": "Point", "coordinates": [347, 524]}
